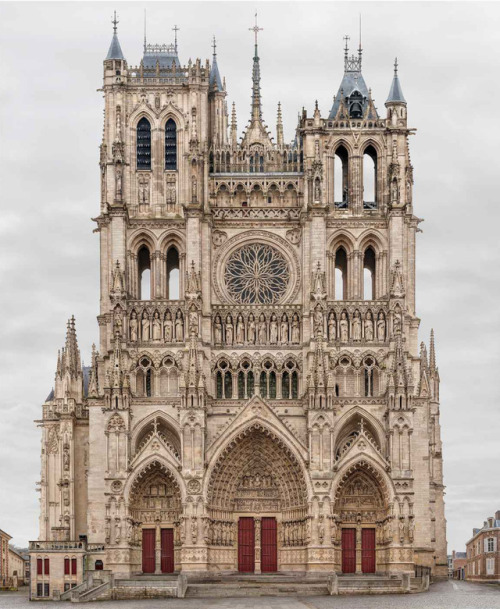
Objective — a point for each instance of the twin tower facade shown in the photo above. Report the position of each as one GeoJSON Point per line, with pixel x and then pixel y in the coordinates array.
{"type": "Point", "coordinates": [258, 400]}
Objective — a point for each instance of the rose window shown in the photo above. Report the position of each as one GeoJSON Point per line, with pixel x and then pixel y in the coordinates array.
{"type": "Point", "coordinates": [256, 274]}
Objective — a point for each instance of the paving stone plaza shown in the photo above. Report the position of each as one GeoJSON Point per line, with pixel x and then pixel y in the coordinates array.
{"type": "Point", "coordinates": [443, 595]}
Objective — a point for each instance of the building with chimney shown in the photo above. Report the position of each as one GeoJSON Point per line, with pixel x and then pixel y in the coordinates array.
{"type": "Point", "coordinates": [483, 552]}
{"type": "Point", "coordinates": [258, 400]}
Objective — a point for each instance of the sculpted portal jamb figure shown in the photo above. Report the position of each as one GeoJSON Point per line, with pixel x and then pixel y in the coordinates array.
{"type": "Point", "coordinates": [156, 326]}
{"type": "Point", "coordinates": [356, 326]}
{"type": "Point", "coordinates": [179, 327]}
{"type": "Point", "coordinates": [344, 327]}
{"type": "Point", "coordinates": [251, 329]}
{"type": "Point", "coordinates": [369, 326]}
{"type": "Point", "coordinates": [145, 326]}
{"type": "Point", "coordinates": [168, 327]}
{"type": "Point", "coordinates": [240, 330]}
{"type": "Point", "coordinates": [133, 327]}
{"type": "Point", "coordinates": [273, 330]}
{"type": "Point", "coordinates": [229, 330]}
{"type": "Point", "coordinates": [218, 330]}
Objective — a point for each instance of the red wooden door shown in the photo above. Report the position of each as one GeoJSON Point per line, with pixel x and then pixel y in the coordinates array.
{"type": "Point", "coordinates": [269, 546]}
{"type": "Point", "coordinates": [246, 545]}
{"type": "Point", "coordinates": [148, 550]}
{"type": "Point", "coordinates": [348, 550]}
{"type": "Point", "coordinates": [368, 550]}
{"type": "Point", "coordinates": [167, 550]}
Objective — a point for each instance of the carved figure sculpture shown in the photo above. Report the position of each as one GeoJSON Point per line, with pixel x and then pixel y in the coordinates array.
{"type": "Point", "coordinates": [295, 329]}
{"type": "Point", "coordinates": [356, 326]}
{"type": "Point", "coordinates": [344, 327]}
{"type": "Point", "coordinates": [218, 330]}
{"type": "Point", "coordinates": [273, 330]}
{"type": "Point", "coordinates": [240, 330]}
{"type": "Point", "coordinates": [284, 330]}
{"type": "Point", "coordinates": [193, 321]}
{"type": "Point", "coordinates": [251, 329]}
{"type": "Point", "coordinates": [229, 330]}
{"type": "Point", "coordinates": [318, 321]}
{"type": "Point", "coordinates": [133, 327]}
{"type": "Point", "coordinates": [332, 327]}
{"type": "Point", "coordinates": [381, 327]}
{"type": "Point", "coordinates": [369, 326]}
{"type": "Point", "coordinates": [157, 326]}
{"type": "Point", "coordinates": [168, 327]}
{"type": "Point", "coordinates": [145, 326]}
{"type": "Point", "coordinates": [262, 329]}
{"type": "Point", "coordinates": [179, 327]}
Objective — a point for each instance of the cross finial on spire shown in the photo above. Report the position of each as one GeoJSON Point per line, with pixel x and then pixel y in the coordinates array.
{"type": "Point", "coordinates": [115, 22]}
{"type": "Point", "coordinates": [256, 29]}
{"type": "Point", "coordinates": [396, 66]}
{"type": "Point", "coordinates": [175, 29]}
{"type": "Point", "coordinates": [346, 48]}
{"type": "Point", "coordinates": [214, 45]}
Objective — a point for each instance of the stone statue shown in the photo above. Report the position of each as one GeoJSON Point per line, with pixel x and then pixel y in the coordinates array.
{"type": "Point", "coordinates": [344, 327]}
{"type": "Point", "coordinates": [251, 329]}
{"type": "Point", "coordinates": [118, 529]}
{"type": "Point", "coordinates": [284, 330]}
{"type": "Point", "coordinates": [295, 329]}
{"type": "Point", "coordinates": [168, 327]}
{"type": "Point", "coordinates": [318, 321]}
{"type": "Point", "coordinates": [356, 326]}
{"type": "Point", "coordinates": [229, 330]}
{"type": "Point", "coordinates": [369, 326]}
{"type": "Point", "coordinates": [107, 530]}
{"type": "Point", "coordinates": [217, 330]}
{"type": "Point", "coordinates": [193, 321]}
{"type": "Point", "coordinates": [179, 327]}
{"type": "Point", "coordinates": [143, 191]}
{"type": "Point", "coordinates": [394, 191]}
{"type": "Point", "coordinates": [133, 327]}
{"type": "Point", "coordinates": [317, 190]}
{"type": "Point", "coordinates": [332, 327]}
{"type": "Point", "coordinates": [194, 529]}
{"type": "Point", "coordinates": [119, 180]}
{"type": "Point", "coordinates": [381, 327]}
{"type": "Point", "coordinates": [194, 189]}
{"type": "Point", "coordinates": [145, 326]}
{"type": "Point", "coordinates": [262, 329]}
{"type": "Point", "coordinates": [171, 194]}
{"type": "Point", "coordinates": [321, 529]}
{"type": "Point", "coordinates": [157, 326]}
{"type": "Point", "coordinates": [273, 330]}
{"type": "Point", "coordinates": [397, 323]}
{"type": "Point", "coordinates": [240, 330]}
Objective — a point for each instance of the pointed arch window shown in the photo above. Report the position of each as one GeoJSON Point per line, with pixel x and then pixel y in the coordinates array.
{"type": "Point", "coordinates": [369, 265]}
{"type": "Point", "coordinates": [340, 274]}
{"type": "Point", "coordinates": [144, 272]}
{"type": "Point", "coordinates": [170, 145]}
{"type": "Point", "coordinates": [341, 178]}
{"type": "Point", "coordinates": [173, 274]}
{"type": "Point", "coordinates": [370, 178]}
{"type": "Point", "coordinates": [143, 144]}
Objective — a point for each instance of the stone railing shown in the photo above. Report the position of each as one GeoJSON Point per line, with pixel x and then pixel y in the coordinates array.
{"type": "Point", "coordinates": [56, 546]}
{"type": "Point", "coordinates": [252, 213]}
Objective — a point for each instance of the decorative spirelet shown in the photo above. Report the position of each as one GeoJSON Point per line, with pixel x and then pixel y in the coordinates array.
{"type": "Point", "coordinates": [257, 274]}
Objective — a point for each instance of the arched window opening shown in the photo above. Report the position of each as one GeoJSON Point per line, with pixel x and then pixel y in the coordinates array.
{"type": "Point", "coordinates": [369, 263]}
{"type": "Point", "coordinates": [368, 383]}
{"type": "Point", "coordinates": [245, 381]}
{"type": "Point", "coordinates": [228, 385]}
{"type": "Point", "coordinates": [340, 274]}
{"type": "Point", "coordinates": [370, 178]}
{"type": "Point", "coordinates": [149, 376]}
{"type": "Point", "coordinates": [143, 144]}
{"type": "Point", "coordinates": [337, 390]}
{"type": "Point", "coordinates": [224, 381]}
{"type": "Point", "coordinates": [170, 145]}
{"type": "Point", "coordinates": [144, 268]}
{"type": "Point", "coordinates": [341, 178]}
{"type": "Point", "coordinates": [219, 384]}
{"type": "Point", "coordinates": [173, 274]}
{"type": "Point", "coordinates": [268, 381]}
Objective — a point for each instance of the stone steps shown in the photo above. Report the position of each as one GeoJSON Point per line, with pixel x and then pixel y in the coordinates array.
{"type": "Point", "coordinates": [249, 588]}
{"type": "Point", "coordinates": [370, 585]}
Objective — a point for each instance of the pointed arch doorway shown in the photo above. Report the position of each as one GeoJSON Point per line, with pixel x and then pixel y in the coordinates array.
{"type": "Point", "coordinates": [257, 503]}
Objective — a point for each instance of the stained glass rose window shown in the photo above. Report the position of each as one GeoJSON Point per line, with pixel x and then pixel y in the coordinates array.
{"type": "Point", "coordinates": [256, 274]}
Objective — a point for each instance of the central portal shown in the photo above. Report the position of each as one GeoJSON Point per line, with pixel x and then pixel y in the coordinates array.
{"type": "Point", "coordinates": [268, 536]}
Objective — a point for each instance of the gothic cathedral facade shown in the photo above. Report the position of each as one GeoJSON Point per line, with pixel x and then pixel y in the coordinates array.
{"type": "Point", "coordinates": [259, 400]}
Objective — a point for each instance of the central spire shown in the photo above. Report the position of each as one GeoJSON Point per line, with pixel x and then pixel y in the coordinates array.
{"type": "Point", "coordinates": [256, 104]}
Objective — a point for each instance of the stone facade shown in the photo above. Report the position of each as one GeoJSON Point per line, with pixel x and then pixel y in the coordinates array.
{"type": "Point", "coordinates": [258, 348]}
{"type": "Point", "coordinates": [483, 552]}
{"type": "Point", "coordinates": [4, 557]}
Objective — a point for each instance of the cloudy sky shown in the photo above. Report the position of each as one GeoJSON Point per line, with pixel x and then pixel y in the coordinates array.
{"type": "Point", "coordinates": [50, 128]}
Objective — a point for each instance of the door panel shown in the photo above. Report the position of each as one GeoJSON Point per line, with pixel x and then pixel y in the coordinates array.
{"type": "Point", "coordinates": [348, 550]}
{"type": "Point", "coordinates": [148, 550]}
{"type": "Point", "coordinates": [269, 546]}
{"type": "Point", "coordinates": [246, 545]}
{"type": "Point", "coordinates": [167, 550]}
{"type": "Point", "coordinates": [368, 550]}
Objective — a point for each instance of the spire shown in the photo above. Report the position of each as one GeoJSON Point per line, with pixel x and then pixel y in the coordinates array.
{"type": "Point", "coordinates": [234, 127]}
{"type": "Point", "coordinates": [256, 101]}
{"type": "Point", "coordinates": [432, 353]}
{"type": "Point", "coordinates": [215, 79]}
{"type": "Point", "coordinates": [396, 94]}
{"type": "Point", "coordinates": [279, 126]}
{"type": "Point", "coordinates": [115, 50]}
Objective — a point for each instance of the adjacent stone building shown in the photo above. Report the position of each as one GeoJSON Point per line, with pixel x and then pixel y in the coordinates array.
{"type": "Point", "coordinates": [483, 552]}
{"type": "Point", "coordinates": [4, 558]}
{"type": "Point", "coordinates": [258, 400]}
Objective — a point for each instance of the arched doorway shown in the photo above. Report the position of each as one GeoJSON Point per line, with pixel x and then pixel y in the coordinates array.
{"type": "Point", "coordinates": [362, 520]}
{"type": "Point", "coordinates": [155, 504]}
{"type": "Point", "coordinates": [257, 505]}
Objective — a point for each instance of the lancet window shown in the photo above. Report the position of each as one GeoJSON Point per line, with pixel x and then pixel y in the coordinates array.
{"type": "Point", "coordinates": [341, 178]}
{"type": "Point", "coordinates": [246, 388]}
{"type": "Point", "coordinates": [169, 378]}
{"type": "Point", "coordinates": [340, 274]}
{"type": "Point", "coordinates": [370, 178]}
{"type": "Point", "coordinates": [290, 381]}
{"type": "Point", "coordinates": [369, 264]}
{"type": "Point", "coordinates": [224, 380]}
{"type": "Point", "coordinates": [143, 144]}
{"type": "Point", "coordinates": [144, 272]}
{"type": "Point", "coordinates": [173, 275]}
{"type": "Point", "coordinates": [170, 145]}
{"type": "Point", "coordinates": [268, 380]}
{"type": "Point", "coordinates": [144, 378]}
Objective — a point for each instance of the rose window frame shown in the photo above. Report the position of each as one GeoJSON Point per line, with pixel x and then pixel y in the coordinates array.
{"type": "Point", "coordinates": [262, 238]}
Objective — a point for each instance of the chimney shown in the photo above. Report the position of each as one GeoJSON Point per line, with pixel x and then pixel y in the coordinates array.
{"type": "Point", "coordinates": [497, 515]}
{"type": "Point", "coordinates": [453, 555]}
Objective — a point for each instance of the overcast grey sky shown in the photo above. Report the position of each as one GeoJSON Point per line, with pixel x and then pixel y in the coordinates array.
{"type": "Point", "coordinates": [50, 128]}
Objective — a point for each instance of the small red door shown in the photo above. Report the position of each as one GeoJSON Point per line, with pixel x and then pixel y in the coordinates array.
{"type": "Point", "coordinates": [269, 546]}
{"type": "Point", "coordinates": [148, 550]}
{"type": "Point", "coordinates": [167, 550]}
{"type": "Point", "coordinates": [368, 550]}
{"type": "Point", "coordinates": [348, 550]}
{"type": "Point", "coordinates": [246, 545]}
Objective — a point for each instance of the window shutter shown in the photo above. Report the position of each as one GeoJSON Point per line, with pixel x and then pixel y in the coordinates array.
{"type": "Point", "coordinates": [73, 566]}
{"type": "Point", "coordinates": [47, 566]}
{"type": "Point", "coordinates": [66, 566]}
{"type": "Point", "coordinates": [39, 567]}
{"type": "Point", "coordinates": [486, 544]}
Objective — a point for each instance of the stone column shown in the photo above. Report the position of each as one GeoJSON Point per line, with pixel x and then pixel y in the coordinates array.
{"type": "Point", "coordinates": [257, 525]}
